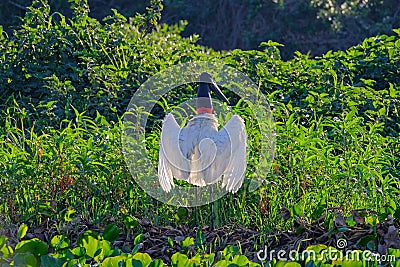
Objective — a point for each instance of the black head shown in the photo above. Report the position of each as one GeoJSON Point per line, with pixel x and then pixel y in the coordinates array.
{"type": "Point", "coordinates": [206, 84]}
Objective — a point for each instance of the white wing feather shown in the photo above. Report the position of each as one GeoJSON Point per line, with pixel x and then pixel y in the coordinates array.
{"type": "Point", "coordinates": [169, 143]}
{"type": "Point", "coordinates": [235, 144]}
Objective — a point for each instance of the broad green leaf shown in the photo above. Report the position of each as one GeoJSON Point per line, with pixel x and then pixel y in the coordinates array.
{"type": "Point", "coordinates": [240, 260]}
{"type": "Point", "coordinates": [34, 246]}
{"type": "Point", "coordinates": [113, 261]}
{"type": "Point", "coordinates": [49, 261]}
{"type": "Point", "coordinates": [111, 232]}
{"type": "Point", "coordinates": [26, 259]}
{"type": "Point", "coordinates": [141, 260]}
{"type": "Point", "coordinates": [77, 252]}
{"type": "Point", "coordinates": [180, 260]}
{"type": "Point", "coordinates": [95, 248]}
{"type": "Point", "coordinates": [181, 214]}
{"type": "Point", "coordinates": [60, 242]}
{"type": "Point", "coordinates": [317, 248]}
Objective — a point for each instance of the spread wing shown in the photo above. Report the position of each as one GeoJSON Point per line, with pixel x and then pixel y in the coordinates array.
{"type": "Point", "coordinates": [185, 154]}
{"type": "Point", "coordinates": [234, 142]}
{"type": "Point", "coordinates": [169, 154]}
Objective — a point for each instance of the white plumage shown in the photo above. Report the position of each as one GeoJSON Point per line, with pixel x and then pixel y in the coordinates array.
{"type": "Point", "coordinates": [200, 154]}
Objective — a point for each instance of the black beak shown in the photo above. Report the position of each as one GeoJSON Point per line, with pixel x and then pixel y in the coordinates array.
{"type": "Point", "coordinates": [214, 87]}
{"type": "Point", "coordinates": [207, 78]}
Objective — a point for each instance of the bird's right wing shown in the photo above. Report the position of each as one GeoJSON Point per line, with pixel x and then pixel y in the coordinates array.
{"type": "Point", "coordinates": [169, 153]}
{"type": "Point", "coordinates": [234, 138]}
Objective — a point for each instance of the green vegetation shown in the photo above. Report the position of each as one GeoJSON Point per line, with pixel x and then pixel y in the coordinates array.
{"type": "Point", "coordinates": [93, 249]}
{"type": "Point", "coordinates": [314, 26]}
{"type": "Point", "coordinates": [65, 84]}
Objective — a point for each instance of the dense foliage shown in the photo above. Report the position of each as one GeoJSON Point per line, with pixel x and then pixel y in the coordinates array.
{"type": "Point", "coordinates": [302, 25]}
{"type": "Point", "coordinates": [65, 83]}
{"type": "Point", "coordinates": [94, 249]}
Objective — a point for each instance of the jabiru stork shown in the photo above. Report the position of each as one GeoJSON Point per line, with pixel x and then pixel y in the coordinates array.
{"type": "Point", "coordinates": [200, 154]}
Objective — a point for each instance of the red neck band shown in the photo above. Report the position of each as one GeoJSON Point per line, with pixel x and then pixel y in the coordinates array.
{"type": "Point", "coordinates": [204, 110]}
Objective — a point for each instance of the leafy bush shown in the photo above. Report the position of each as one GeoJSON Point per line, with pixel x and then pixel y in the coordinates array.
{"type": "Point", "coordinates": [52, 62]}
{"type": "Point", "coordinates": [307, 25]}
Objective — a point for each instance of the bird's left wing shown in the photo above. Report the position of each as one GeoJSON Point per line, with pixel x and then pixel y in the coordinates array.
{"type": "Point", "coordinates": [234, 150]}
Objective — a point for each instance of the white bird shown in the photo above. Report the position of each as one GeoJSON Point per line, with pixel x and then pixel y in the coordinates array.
{"type": "Point", "coordinates": [200, 154]}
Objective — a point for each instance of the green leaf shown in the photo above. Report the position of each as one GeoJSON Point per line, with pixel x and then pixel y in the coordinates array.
{"type": "Point", "coordinates": [188, 241]}
{"type": "Point", "coordinates": [69, 214]}
{"type": "Point", "coordinates": [131, 222]}
{"type": "Point", "coordinates": [350, 221]}
{"type": "Point", "coordinates": [3, 240]}
{"type": "Point", "coordinates": [23, 228]}
{"type": "Point", "coordinates": [142, 258]}
{"type": "Point", "coordinates": [60, 242]}
{"type": "Point", "coordinates": [77, 252]}
{"type": "Point", "coordinates": [6, 251]}
{"type": "Point", "coordinates": [240, 260]}
{"type": "Point", "coordinates": [363, 241]}
{"type": "Point", "coordinates": [348, 263]}
{"type": "Point", "coordinates": [395, 252]}
{"type": "Point", "coordinates": [230, 251]}
{"type": "Point", "coordinates": [113, 261]}
{"type": "Point", "coordinates": [111, 232]}
{"type": "Point", "coordinates": [181, 214]}
{"type": "Point", "coordinates": [298, 210]}
{"type": "Point", "coordinates": [25, 259]}
{"type": "Point", "coordinates": [136, 248]}
{"type": "Point", "coordinates": [222, 263]}
{"type": "Point", "coordinates": [392, 91]}
{"type": "Point", "coordinates": [170, 242]}
{"type": "Point", "coordinates": [139, 238]}
{"type": "Point", "coordinates": [157, 263]}
{"type": "Point", "coordinates": [280, 264]}
{"type": "Point", "coordinates": [317, 248]}
{"type": "Point", "coordinates": [270, 43]}
{"type": "Point", "coordinates": [34, 246]}
{"type": "Point", "coordinates": [180, 260]}
{"type": "Point", "coordinates": [50, 261]}
{"type": "Point", "coordinates": [95, 248]}
{"type": "Point", "coordinates": [319, 210]}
